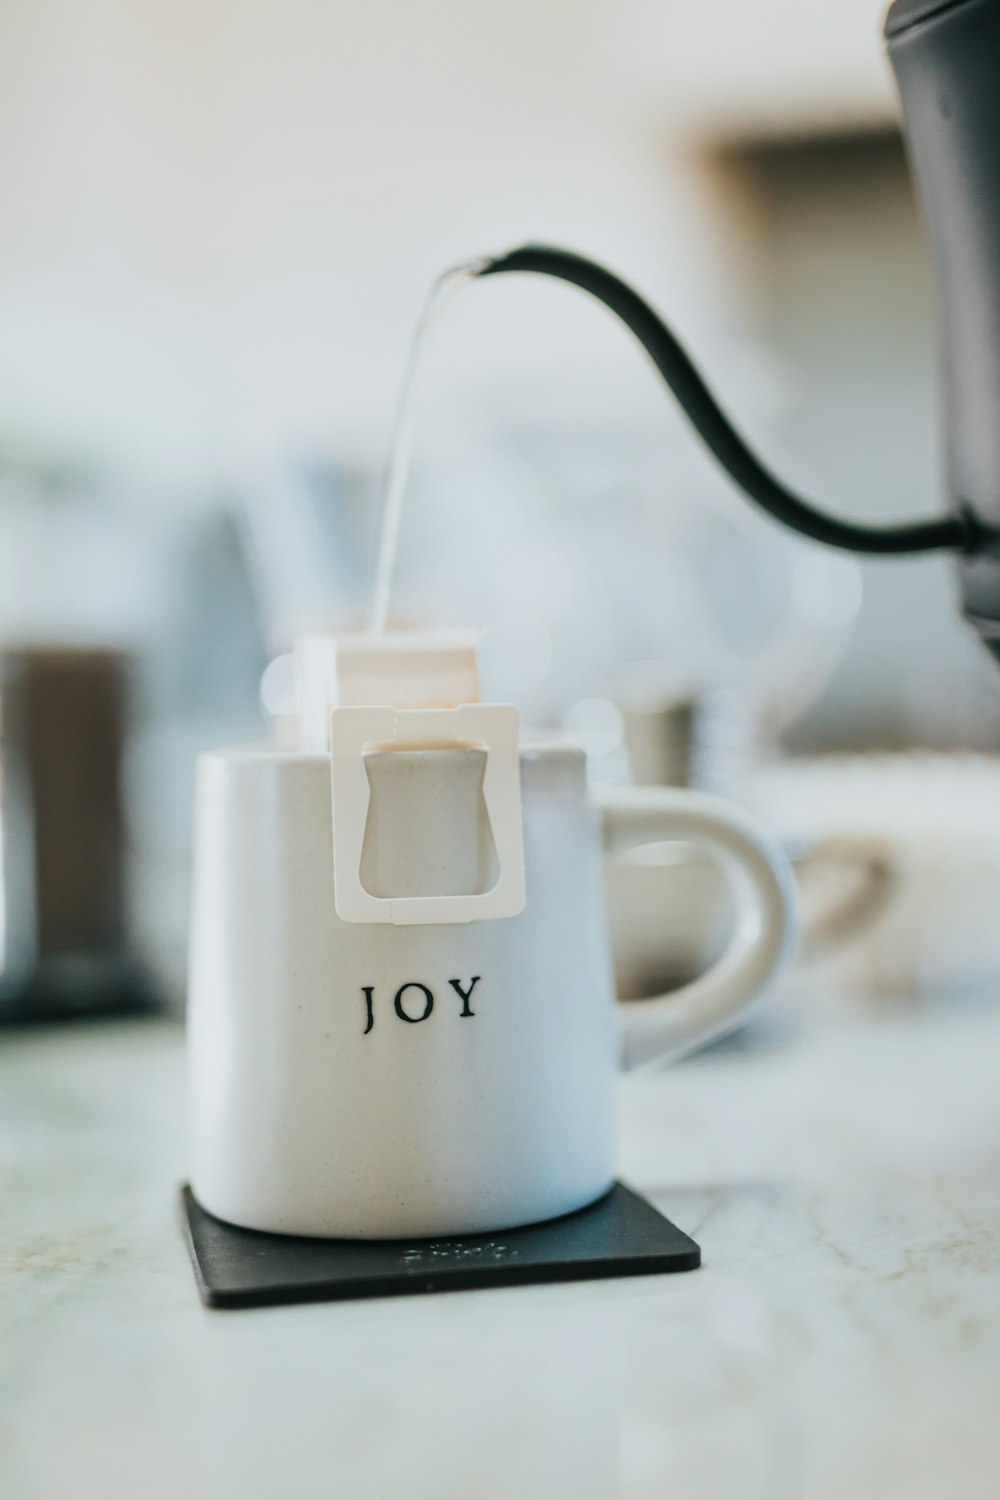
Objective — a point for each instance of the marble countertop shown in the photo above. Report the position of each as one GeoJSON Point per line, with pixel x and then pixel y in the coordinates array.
{"type": "Point", "coordinates": [841, 1340]}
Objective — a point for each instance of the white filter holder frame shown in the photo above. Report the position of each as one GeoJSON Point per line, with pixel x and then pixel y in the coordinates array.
{"type": "Point", "coordinates": [492, 727]}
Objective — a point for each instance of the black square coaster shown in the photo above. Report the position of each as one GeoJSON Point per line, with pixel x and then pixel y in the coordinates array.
{"type": "Point", "coordinates": [620, 1235]}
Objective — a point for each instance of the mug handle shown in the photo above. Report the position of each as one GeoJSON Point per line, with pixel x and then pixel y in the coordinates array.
{"type": "Point", "coordinates": [666, 1026]}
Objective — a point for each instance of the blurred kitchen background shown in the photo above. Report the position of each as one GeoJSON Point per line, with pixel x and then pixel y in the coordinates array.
{"type": "Point", "coordinates": [219, 221]}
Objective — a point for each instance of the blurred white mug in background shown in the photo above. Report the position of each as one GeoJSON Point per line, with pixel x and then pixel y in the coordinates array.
{"type": "Point", "coordinates": [938, 815]}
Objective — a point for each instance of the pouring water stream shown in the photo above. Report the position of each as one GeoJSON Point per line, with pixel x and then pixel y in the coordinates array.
{"type": "Point", "coordinates": [397, 469]}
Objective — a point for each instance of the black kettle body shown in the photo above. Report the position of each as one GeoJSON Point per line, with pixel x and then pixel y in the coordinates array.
{"type": "Point", "coordinates": [946, 57]}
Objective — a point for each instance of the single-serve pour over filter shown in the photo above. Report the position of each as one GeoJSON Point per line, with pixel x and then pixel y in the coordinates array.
{"type": "Point", "coordinates": [379, 695]}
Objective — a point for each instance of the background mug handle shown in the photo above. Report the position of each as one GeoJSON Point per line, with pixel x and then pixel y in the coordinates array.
{"type": "Point", "coordinates": [835, 924]}
{"type": "Point", "coordinates": [666, 1026]}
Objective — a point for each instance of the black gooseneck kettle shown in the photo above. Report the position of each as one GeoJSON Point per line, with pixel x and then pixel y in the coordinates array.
{"type": "Point", "coordinates": [946, 57]}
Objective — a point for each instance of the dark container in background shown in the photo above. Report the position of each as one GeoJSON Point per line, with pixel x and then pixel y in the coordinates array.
{"type": "Point", "coordinates": [64, 944]}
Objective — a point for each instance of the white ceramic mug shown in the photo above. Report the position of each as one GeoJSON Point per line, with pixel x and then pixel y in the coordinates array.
{"type": "Point", "coordinates": [366, 1080]}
